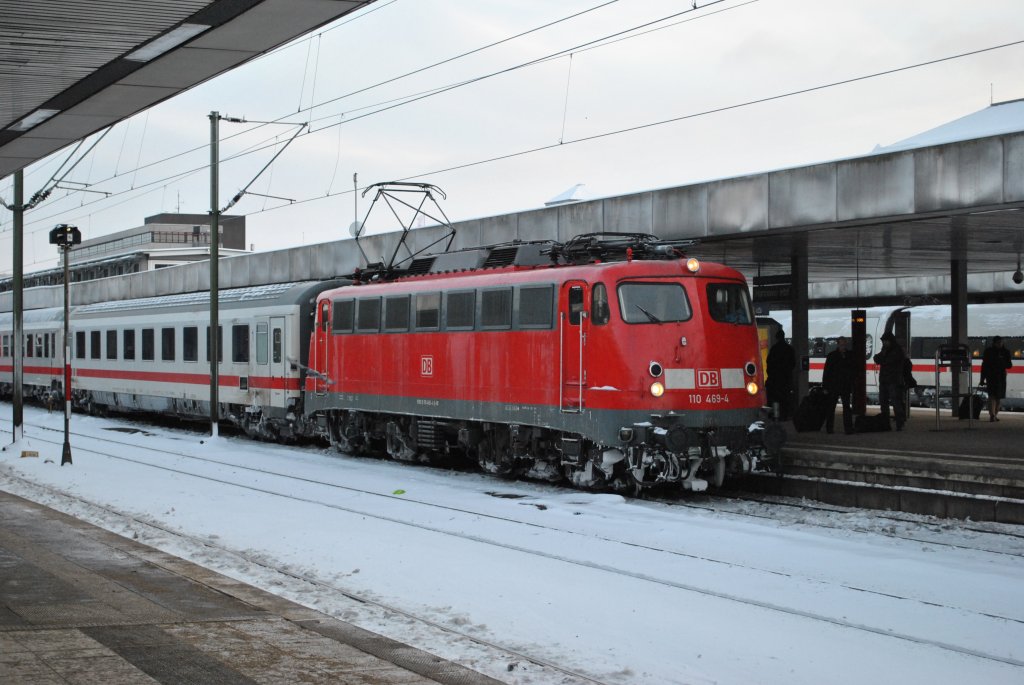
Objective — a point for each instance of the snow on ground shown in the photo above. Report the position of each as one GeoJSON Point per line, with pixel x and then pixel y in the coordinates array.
{"type": "Point", "coordinates": [623, 591]}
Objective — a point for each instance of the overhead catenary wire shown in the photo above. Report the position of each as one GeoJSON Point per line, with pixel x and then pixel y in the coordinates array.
{"type": "Point", "coordinates": [370, 87]}
{"type": "Point", "coordinates": [606, 134]}
{"type": "Point", "coordinates": [529, 63]}
{"type": "Point", "coordinates": [419, 96]}
{"type": "Point", "coordinates": [649, 124]}
{"type": "Point", "coordinates": [684, 117]}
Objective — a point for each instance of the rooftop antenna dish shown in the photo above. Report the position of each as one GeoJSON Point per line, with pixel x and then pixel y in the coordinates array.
{"type": "Point", "coordinates": [355, 229]}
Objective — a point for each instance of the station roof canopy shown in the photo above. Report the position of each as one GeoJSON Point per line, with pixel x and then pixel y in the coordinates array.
{"type": "Point", "coordinates": [70, 68]}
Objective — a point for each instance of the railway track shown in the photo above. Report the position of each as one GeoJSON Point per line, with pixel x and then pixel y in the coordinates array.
{"type": "Point", "coordinates": [477, 539]}
{"type": "Point", "coordinates": [703, 502]}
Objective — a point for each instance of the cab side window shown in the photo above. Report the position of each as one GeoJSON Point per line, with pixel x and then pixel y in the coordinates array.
{"type": "Point", "coordinates": [599, 309]}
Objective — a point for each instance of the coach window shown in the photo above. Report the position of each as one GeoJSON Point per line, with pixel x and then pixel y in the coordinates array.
{"type": "Point", "coordinates": [459, 310]}
{"type": "Point", "coordinates": [80, 344]}
{"type": "Point", "coordinates": [220, 344]}
{"type": "Point", "coordinates": [240, 344]}
{"type": "Point", "coordinates": [652, 303]}
{"type": "Point", "coordinates": [167, 344]}
{"type": "Point", "coordinates": [262, 340]}
{"type": "Point", "coordinates": [111, 344]}
{"type": "Point", "coordinates": [600, 312]}
{"type": "Point", "coordinates": [368, 315]}
{"type": "Point", "coordinates": [94, 344]}
{"type": "Point", "coordinates": [47, 337]}
{"type": "Point", "coordinates": [428, 311]}
{"type": "Point", "coordinates": [344, 316]}
{"type": "Point", "coordinates": [496, 308]}
{"type": "Point", "coordinates": [536, 304]}
{"type": "Point", "coordinates": [128, 340]}
{"type": "Point", "coordinates": [277, 345]}
{"type": "Point", "coordinates": [28, 345]}
{"type": "Point", "coordinates": [39, 345]}
{"type": "Point", "coordinates": [3, 346]}
{"type": "Point", "coordinates": [190, 343]}
{"type": "Point", "coordinates": [148, 345]}
{"type": "Point", "coordinates": [396, 314]}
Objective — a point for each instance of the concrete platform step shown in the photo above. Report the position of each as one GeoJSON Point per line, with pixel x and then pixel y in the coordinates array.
{"type": "Point", "coordinates": [966, 475]}
{"type": "Point", "coordinates": [848, 493]}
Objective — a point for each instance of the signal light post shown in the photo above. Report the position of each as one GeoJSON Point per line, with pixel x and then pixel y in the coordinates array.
{"type": "Point", "coordinates": [64, 236]}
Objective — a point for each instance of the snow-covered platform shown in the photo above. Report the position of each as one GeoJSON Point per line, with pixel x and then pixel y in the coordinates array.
{"type": "Point", "coordinates": [950, 469]}
{"type": "Point", "coordinates": [82, 605]}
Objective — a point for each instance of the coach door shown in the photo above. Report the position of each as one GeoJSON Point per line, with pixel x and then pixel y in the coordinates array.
{"type": "Point", "coordinates": [321, 348]}
{"type": "Point", "coordinates": [278, 367]}
{"type": "Point", "coordinates": [573, 325]}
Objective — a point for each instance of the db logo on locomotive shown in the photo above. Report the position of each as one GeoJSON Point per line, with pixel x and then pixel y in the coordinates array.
{"type": "Point", "coordinates": [426, 365]}
{"type": "Point", "coordinates": [708, 378]}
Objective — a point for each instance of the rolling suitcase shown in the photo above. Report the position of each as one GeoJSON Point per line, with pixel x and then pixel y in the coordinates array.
{"type": "Point", "coordinates": [976, 403]}
{"type": "Point", "coordinates": [810, 414]}
{"type": "Point", "coordinates": [870, 424]}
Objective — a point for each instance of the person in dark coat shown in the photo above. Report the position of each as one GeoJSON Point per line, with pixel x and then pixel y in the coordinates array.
{"type": "Point", "coordinates": [994, 363]}
{"type": "Point", "coordinates": [891, 383]}
{"type": "Point", "coordinates": [837, 379]}
{"type": "Point", "coordinates": [779, 367]}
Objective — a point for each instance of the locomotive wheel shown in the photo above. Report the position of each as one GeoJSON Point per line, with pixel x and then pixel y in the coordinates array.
{"type": "Point", "coordinates": [719, 472]}
{"type": "Point", "coordinates": [638, 487]}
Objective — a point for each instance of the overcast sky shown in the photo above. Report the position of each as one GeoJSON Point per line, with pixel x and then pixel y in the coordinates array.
{"type": "Point", "coordinates": [726, 53]}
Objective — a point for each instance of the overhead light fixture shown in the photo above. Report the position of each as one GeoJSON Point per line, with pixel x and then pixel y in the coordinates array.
{"type": "Point", "coordinates": [166, 42]}
{"type": "Point", "coordinates": [1018, 275]}
{"type": "Point", "coordinates": [34, 119]}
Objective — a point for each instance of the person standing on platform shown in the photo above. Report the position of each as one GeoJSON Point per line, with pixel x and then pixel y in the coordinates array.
{"type": "Point", "coordinates": [837, 379]}
{"type": "Point", "coordinates": [891, 384]}
{"type": "Point", "coordinates": [779, 367]}
{"type": "Point", "coordinates": [994, 363]}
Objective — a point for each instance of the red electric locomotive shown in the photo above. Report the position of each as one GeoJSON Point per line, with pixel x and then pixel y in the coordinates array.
{"type": "Point", "coordinates": [611, 360]}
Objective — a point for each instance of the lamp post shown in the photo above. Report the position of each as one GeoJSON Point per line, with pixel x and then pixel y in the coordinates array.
{"type": "Point", "coordinates": [64, 236]}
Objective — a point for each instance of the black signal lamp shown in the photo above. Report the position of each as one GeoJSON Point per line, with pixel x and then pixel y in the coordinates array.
{"type": "Point", "coordinates": [65, 235]}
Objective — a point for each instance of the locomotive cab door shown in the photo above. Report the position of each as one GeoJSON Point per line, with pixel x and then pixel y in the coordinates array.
{"type": "Point", "coordinates": [320, 348]}
{"type": "Point", "coordinates": [573, 325]}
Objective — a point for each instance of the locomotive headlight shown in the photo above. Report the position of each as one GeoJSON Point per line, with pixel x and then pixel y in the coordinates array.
{"type": "Point", "coordinates": [656, 370]}
{"type": "Point", "coordinates": [693, 265]}
{"type": "Point", "coordinates": [657, 389]}
{"type": "Point", "coordinates": [750, 368]}
{"type": "Point", "coordinates": [752, 388]}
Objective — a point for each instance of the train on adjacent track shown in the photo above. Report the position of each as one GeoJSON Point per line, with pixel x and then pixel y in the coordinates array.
{"type": "Point", "coordinates": [929, 327]}
{"type": "Point", "coordinates": [610, 361]}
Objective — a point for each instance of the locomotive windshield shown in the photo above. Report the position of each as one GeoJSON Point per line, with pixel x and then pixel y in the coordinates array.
{"type": "Point", "coordinates": [729, 303]}
{"type": "Point", "coordinates": [653, 303]}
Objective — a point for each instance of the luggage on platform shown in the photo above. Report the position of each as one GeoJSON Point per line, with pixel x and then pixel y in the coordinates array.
{"type": "Point", "coordinates": [810, 414]}
{"type": "Point", "coordinates": [870, 424]}
{"type": "Point", "coordinates": [976, 403]}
